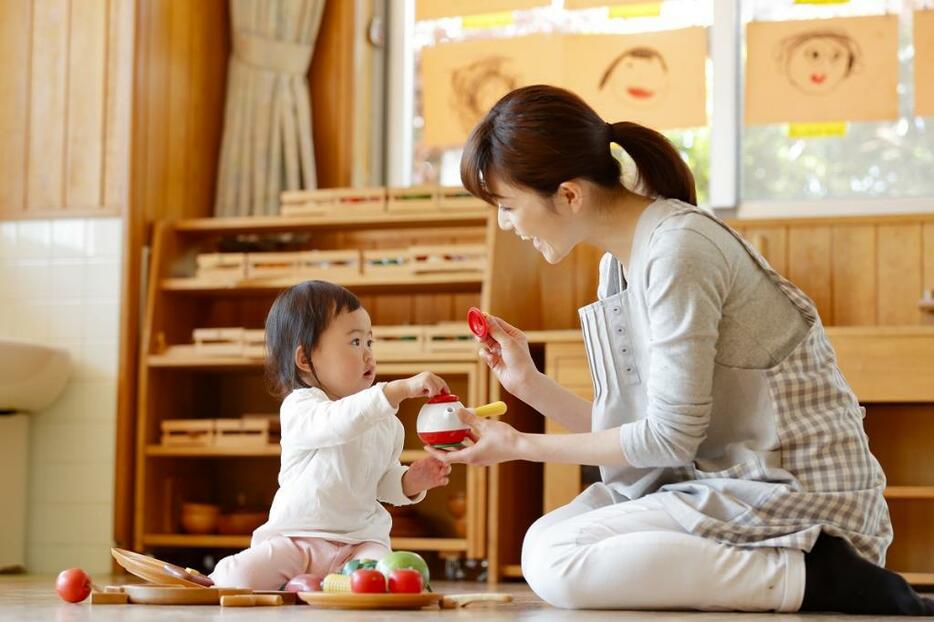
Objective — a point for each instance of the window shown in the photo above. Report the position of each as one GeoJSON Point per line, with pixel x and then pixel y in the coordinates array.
{"type": "Point", "coordinates": [776, 173]}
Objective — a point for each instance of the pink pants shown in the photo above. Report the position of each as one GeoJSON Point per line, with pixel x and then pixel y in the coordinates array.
{"type": "Point", "coordinates": [276, 560]}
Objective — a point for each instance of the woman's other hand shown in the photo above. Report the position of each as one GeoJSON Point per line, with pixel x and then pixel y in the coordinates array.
{"type": "Point", "coordinates": [493, 442]}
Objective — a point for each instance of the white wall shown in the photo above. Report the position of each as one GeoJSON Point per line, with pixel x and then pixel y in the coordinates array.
{"type": "Point", "coordinates": [60, 284]}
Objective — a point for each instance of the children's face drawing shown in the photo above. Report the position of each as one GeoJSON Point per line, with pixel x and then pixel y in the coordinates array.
{"type": "Point", "coordinates": [639, 80]}
{"type": "Point", "coordinates": [818, 64]}
{"type": "Point", "coordinates": [343, 360]}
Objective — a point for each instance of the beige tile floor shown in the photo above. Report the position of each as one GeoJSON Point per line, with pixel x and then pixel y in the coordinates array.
{"type": "Point", "coordinates": [34, 598]}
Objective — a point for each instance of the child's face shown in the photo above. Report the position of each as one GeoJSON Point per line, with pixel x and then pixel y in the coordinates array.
{"type": "Point", "coordinates": [343, 360]}
{"type": "Point", "coordinates": [639, 81]}
{"type": "Point", "coordinates": [818, 65]}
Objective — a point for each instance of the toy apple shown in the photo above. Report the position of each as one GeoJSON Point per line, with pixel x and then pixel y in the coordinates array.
{"type": "Point", "coordinates": [439, 426]}
{"type": "Point", "coordinates": [73, 585]}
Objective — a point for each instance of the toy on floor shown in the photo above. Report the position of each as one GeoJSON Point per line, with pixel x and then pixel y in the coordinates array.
{"type": "Point", "coordinates": [73, 585]}
{"type": "Point", "coordinates": [439, 426]}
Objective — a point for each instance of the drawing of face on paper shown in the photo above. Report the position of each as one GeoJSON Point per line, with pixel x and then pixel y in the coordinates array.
{"type": "Point", "coordinates": [638, 77]}
{"type": "Point", "coordinates": [817, 62]}
{"type": "Point", "coordinates": [476, 87]}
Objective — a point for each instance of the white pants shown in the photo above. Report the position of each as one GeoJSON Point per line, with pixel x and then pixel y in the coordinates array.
{"type": "Point", "coordinates": [596, 554]}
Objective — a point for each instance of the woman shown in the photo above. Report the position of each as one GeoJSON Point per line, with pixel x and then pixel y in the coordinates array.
{"type": "Point", "coordinates": [735, 470]}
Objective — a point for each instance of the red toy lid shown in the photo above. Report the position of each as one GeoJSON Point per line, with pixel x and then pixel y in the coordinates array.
{"type": "Point", "coordinates": [444, 398]}
{"type": "Point", "coordinates": [477, 322]}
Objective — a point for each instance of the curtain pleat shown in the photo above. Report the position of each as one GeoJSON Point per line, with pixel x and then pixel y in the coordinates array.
{"type": "Point", "coordinates": [267, 145]}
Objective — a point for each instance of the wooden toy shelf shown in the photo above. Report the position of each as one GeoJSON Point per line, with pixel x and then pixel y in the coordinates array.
{"type": "Point", "coordinates": [180, 382]}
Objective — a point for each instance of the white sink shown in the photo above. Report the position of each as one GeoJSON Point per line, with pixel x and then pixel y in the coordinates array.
{"type": "Point", "coordinates": [32, 375]}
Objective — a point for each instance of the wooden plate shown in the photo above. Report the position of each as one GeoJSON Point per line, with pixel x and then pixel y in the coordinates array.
{"type": "Point", "coordinates": [148, 568]}
{"type": "Point", "coordinates": [344, 600]}
{"type": "Point", "coordinates": [175, 595]}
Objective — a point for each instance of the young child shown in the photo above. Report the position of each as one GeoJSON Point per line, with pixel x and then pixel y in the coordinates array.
{"type": "Point", "coordinates": [341, 443]}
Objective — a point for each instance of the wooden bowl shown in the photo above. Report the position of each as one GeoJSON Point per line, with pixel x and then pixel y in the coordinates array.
{"type": "Point", "coordinates": [199, 518]}
{"type": "Point", "coordinates": [237, 523]}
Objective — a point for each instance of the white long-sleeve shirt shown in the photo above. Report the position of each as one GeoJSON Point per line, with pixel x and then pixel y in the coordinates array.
{"type": "Point", "coordinates": [339, 459]}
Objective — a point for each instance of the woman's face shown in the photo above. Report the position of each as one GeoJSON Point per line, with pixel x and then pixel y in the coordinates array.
{"type": "Point", "coordinates": [544, 222]}
{"type": "Point", "coordinates": [343, 359]}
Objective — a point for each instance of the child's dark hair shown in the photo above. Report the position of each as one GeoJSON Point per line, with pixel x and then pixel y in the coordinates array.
{"type": "Point", "coordinates": [298, 317]}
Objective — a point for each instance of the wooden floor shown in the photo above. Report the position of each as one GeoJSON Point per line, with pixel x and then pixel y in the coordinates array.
{"type": "Point", "coordinates": [34, 598]}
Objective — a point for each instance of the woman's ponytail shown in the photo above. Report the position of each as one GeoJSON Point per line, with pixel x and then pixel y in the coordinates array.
{"type": "Point", "coordinates": [661, 170]}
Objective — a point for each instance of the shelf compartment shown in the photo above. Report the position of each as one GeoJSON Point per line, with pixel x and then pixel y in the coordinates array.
{"type": "Point", "coordinates": [414, 284]}
{"type": "Point", "coordinates": [273, 224]}
{"type": "Point", "coordinates": [178, 540]}
{"type": "Point", "coordinates": [162, 451]}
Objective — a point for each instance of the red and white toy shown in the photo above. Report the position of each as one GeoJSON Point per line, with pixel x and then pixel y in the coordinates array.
{"type": "Point", "coordinates": [439, 426]}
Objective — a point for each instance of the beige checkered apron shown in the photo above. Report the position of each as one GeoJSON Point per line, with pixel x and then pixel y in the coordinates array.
{"type": "Point", "coordinates": [811, 472]}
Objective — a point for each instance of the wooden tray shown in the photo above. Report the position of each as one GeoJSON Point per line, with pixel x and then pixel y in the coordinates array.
{"type": "Point", "coordinates": [176, 595]}
{"type": "Point", "coordinates": [344, 600]}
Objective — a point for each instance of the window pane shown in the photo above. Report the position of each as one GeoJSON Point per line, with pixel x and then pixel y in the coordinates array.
{"type": "Point", "coordinates": [892, 159]}
{"type": "Point", "coordinates": [432, 165]}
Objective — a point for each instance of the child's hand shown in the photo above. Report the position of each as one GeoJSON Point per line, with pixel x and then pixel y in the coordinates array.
{"type": "Point", "coordinates": [425, 384]}
{"type": "Point", "coordinates": [425, 474]}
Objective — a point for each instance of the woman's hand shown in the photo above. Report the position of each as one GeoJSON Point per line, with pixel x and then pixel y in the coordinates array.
{"type": "Point", "coordinates": [506, 352]}
{"type": "Point", "coordinates": [493, 442]}
{"type": "Point", "coordinates": [425, 474]}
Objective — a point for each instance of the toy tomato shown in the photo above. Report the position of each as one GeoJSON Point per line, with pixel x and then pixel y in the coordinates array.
{"type": "Point", "coordinates": [405, 581]}
{"type": "Point", "coordinates": [367, 581]}
{"type": "Point", "coordinates": [73, 585]}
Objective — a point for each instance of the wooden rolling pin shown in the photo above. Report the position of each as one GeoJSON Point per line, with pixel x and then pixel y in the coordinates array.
{"type": "Point", "coordinates": [251, 600]}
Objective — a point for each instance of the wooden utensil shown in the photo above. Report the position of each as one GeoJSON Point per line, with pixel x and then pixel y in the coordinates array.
{"type": "Point", "coordinates": [149, 569]}
{"type": "Point", "coordinates": [345, 600]}
{"type": "Point", "coordinates": [251, 600]}
{"type": "Point", "coordinates": [176, 595]}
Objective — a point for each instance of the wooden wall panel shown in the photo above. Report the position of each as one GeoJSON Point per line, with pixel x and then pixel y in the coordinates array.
{"type": "Point", "coordinates": [65, 93]}
{"type": "Point", "coordinates": [15, 24]}
{"type": "Point", "coordinates": [772, 243]}
{"type": "Point", "coordinates": [48, 105]}
{"type": "Point", "coordinates": [899, 269]}
{"type": "Point", "coordinates": [809, 266]}
{"type": "Point", "coordinates": [854, 275]}
{"type": "Point", "coordinates": [84, 137]}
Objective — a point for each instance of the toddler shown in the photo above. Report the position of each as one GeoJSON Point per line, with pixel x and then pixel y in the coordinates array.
{"type": "Point", "coordinates": [341, 443]}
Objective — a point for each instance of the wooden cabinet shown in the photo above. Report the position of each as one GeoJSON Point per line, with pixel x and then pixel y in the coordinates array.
{"type": "Point", "coordinates": [176, 382]}
{"type": "Point", "coordinates": [889, 368]}
{"type": "Point", "coordinates": [65, 98]}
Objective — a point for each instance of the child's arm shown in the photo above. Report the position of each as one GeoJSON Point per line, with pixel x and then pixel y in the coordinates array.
{"type": "Point", "coordinates": [403, 485]}
{"type": "Point", "coordinates": [312, 422]}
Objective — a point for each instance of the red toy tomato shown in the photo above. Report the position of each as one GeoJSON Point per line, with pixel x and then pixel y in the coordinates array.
{"type": "Point", "coordinates": [405, 581]}
{"type": "Point", "coordinates": [367, 581]}
{"type": "Point", "coordinates": [73, 585]}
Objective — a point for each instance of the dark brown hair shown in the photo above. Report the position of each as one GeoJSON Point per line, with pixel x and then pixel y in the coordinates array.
{"type": "Point", "coordinates": [298, 317]}
{"type": "Point", "coordinates": [540, 136]}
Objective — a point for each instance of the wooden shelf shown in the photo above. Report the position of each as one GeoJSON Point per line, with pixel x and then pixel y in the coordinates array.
{"type": "Point", "coordinates": [415, 284]}
{"type": "Point", "coordinates": [909, 492]}
{"type": "Point", "coordinates": [173, 540]}
{"type": "Point", "coordinates": [212, 452]}
{"type": "Point", "coordinates": [513, 571]}
{"type": "Point", "coordinates": [236, 362]}
{"type": "Point", "coordinates": [272, 224]}
{"type": "Point", "coordinates": [411, 455]}
{"type": "Point", "coordinates": [919, 578]}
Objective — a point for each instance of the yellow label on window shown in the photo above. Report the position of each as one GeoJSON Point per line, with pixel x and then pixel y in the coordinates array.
{"type": "Point", "coordinates": [643, 9]}
{"type": "Point", "coordinates": [816, 130]}
{"type": "Point", "coordinates": [487, 20]}
{"type": "Point", "coordinates": [821, 1]}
